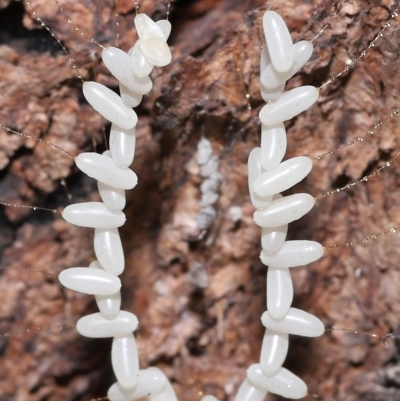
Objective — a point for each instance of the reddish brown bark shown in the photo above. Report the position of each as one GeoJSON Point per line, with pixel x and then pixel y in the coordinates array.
{"type": "Point", "coordinates": [203, 340]}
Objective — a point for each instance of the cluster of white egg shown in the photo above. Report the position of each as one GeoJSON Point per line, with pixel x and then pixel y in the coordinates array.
{"type": "Point", "coordinates": [209, 188]}
{"type": "Point", "coordinates": [113, 175]}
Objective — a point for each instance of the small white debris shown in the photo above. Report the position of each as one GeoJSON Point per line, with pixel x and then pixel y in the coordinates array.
{"type": "Point", "coordinates": [209, 188]}
{"type": "Point", "coordinates": [235, 214]}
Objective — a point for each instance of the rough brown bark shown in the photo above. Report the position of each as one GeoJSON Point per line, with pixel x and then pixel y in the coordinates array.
{"type": "Point", "coordinates": [203, 340]}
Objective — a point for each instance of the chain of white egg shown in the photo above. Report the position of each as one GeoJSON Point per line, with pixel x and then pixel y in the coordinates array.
{"type": "Point", "coordinates": [268, 177]}
{"type": "Point", "coordinates": [113, 175]}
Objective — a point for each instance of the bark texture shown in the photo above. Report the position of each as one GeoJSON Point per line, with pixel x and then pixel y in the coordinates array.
{"type": "Point", "coordinates": [204, 340]}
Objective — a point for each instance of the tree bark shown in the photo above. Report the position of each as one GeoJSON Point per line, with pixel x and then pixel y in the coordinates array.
{"type": "Point", "coordinates": [203, 339]}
